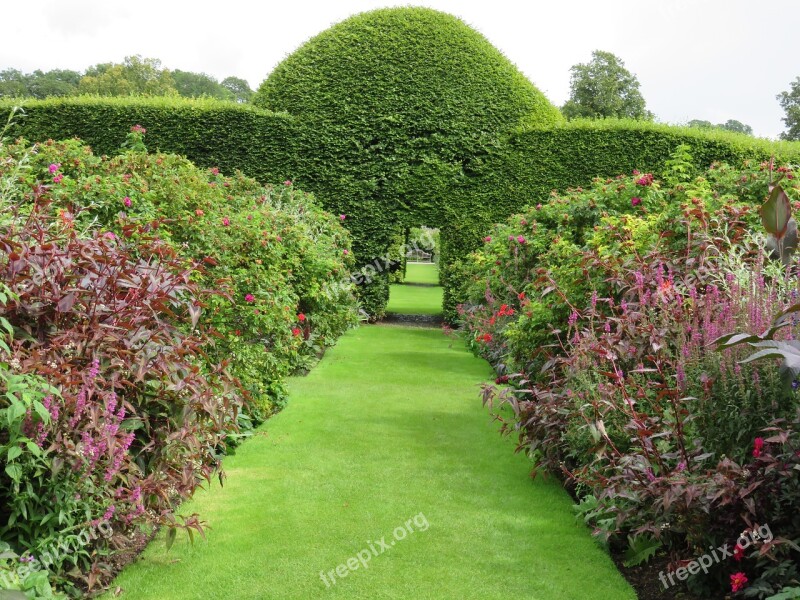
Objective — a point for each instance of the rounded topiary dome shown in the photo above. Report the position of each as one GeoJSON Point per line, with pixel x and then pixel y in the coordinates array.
{"type": "Point", "coordinates": [397, 106]}
{"type": "Point", "coordinates": [388, 65]}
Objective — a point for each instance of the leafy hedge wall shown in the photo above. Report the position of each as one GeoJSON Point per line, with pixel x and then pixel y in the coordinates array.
{"type": "Point", "coordinates": [532, 162]}
{"type": "Point", "coordinates": [393, 184]}
{"type": "Point", "coordinates": [396, 103]}
{"type": "Point", "coordinates": [210, 133]}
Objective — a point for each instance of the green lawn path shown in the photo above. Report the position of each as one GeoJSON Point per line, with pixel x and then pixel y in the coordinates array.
{"type": "Point", "coordinates": [387, 427]}
{"type": "Point", "coordinates": [415, 299]}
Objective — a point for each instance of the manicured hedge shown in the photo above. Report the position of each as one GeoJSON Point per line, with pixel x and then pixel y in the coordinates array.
{"type": "Point", "coordinates": [396, 103]}
{"type": "Point", "coordinates": [393, 184]}
{"type": "Point", "coordinates": [210, 133]}
{"type": "Point", "coordinates": [532, 162]}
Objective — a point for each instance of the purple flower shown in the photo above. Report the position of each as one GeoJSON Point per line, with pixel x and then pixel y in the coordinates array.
{"type": "Point", "coordinates": [54, 167]}
{"type": "Point", "coordinates": [636, 201]}
{"type": "Point", "coordinates": [127, 201]}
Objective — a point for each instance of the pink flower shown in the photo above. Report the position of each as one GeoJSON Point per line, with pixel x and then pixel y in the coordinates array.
{"type": "Point", "coordinates": [109, 235]}
{"type": "Point", "coordinates": [226, 221]}
{"type": "Point", "coordinates": [58, 178]}
{"type": "Point", "coordinates": [645, 180]}
{"type": "Point", "coordinates": [521, 239]}
{"type": "Point", "coordinates": [54, 167]}
{"type": "Point", "coordinates": [215, 171]}
{"type": "Point", "coordinates": [295, 331]}
{"type": "Point", "coordinates": [301, 317]}
{"type": "Point", "coordinates": [636, 201]}
{"type": "Point", "coordinates": [636, 171]}
{"type": "Point", "coordinates": [250, 298]}
{"type": "Point", "coordinates": [342, 217]}
{"type": "Point", "coordinates": [738, 581]}
{"type": "Point", "coordinates": [287, 183]}
{"type": "Point", "coordinates": [487, 239]}
{"type": "Point", "coordinates": [199, 212]}
{"type": "Point", "coordinates": [127, 201]}
{"type": "Point", "coordinates": [758, 445]}
{"type": "Point", "coordinates": [345, 251]}
{"type": "Point", "coordinates": [538, 207]}
{"type": "Point", "coordinates": [138, 129]}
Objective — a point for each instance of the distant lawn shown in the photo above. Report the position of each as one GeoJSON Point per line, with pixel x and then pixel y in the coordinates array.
{"type": "Point", "coordinates": [422, 273]}
{"type": "Point", "coordinates": [413, 299]}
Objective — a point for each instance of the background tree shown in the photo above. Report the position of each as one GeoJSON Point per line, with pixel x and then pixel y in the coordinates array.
{"type": "Point", "coordinates": [737, 126]}
{"type": "Point", "coordinates": [239, 88]}
{"type": "Point", "coordinates": [194, 85]}
{"type": "Point", "coordinates": [13, 83]}
{"type": "Point", "coordinates": [58, 82]}
{"type": "Point", "coordinates": [790, 102]}
{"type": "Point", "coordinates": [603, 88]}
{"type": "Point", "coordinates": [729, 125]}
{"type": "Point", "coordinates": [136, 76]}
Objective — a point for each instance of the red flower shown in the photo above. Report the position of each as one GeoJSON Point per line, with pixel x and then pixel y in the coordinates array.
{"type": "Point", "coordinates": [295, 331]}
{"type": "Point", "coordinates": [738, 553]}
{"type": "Point", "coordinates": [487, 239]}
{"type": "Point", "coordinates": [521, 295]}
{"type": "Point", "coordinates": [738, 581]}
{"type": "Point", "coordinates": [758, 445]}
{"type": "Point", "coordinates": [301, 317]}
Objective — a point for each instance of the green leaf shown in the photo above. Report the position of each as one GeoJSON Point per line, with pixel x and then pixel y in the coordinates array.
{"type": "Point", "coordinates": [171, 537]}
{"type": "Point", "coordinates": [14, 472]}
{"type": "Point", "coordinates": [776, 212]}
{"type": "Point", "coordinates": [13, 453]}
{"type": "Point", "coordinates": [640, 550]}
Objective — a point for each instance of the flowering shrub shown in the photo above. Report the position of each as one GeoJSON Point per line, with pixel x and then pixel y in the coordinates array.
{"type": "Point", "coordinates": [614, 382]}
{"type": "Point", "coordinates": [162, 305]}
{"type": "Point", "coordinates": [275, 250]}
{"type": "Point", "coordinates": [138, 422]}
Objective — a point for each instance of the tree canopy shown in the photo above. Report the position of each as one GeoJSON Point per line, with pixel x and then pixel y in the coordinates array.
{"type": "Point", "coordinates": [135, 76]}
{"type": "Point", "coordinates": [790, 102]}
{"type": "Point", "coordinates": [729, 125]}
{"type": "Point", "coordinates": [603, 88]}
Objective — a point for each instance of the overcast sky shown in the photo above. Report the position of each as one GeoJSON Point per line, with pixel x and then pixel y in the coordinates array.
{"type": "Point", "coordinates": [695, 59]}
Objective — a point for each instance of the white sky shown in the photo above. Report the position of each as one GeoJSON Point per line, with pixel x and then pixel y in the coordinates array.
{"type": "Point", "coordinates": [695, 59]}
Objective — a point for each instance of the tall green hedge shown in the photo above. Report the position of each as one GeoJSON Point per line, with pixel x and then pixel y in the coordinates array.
{"type": "Point", "coordinates": [396, 104]}
{"type": "Point", "coordinates": [211, 133]}
{"type": "Point", "coordinates": [397, 148]}
{"type": "Point", "coordinates": [532, 162]}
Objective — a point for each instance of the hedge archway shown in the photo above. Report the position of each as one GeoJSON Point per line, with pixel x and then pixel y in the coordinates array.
{"type": "Point", "coordinates": [397, 106]}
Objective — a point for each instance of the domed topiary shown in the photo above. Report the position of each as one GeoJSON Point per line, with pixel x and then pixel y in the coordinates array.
{"type": "Point", "coordinates": [397, 105]}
